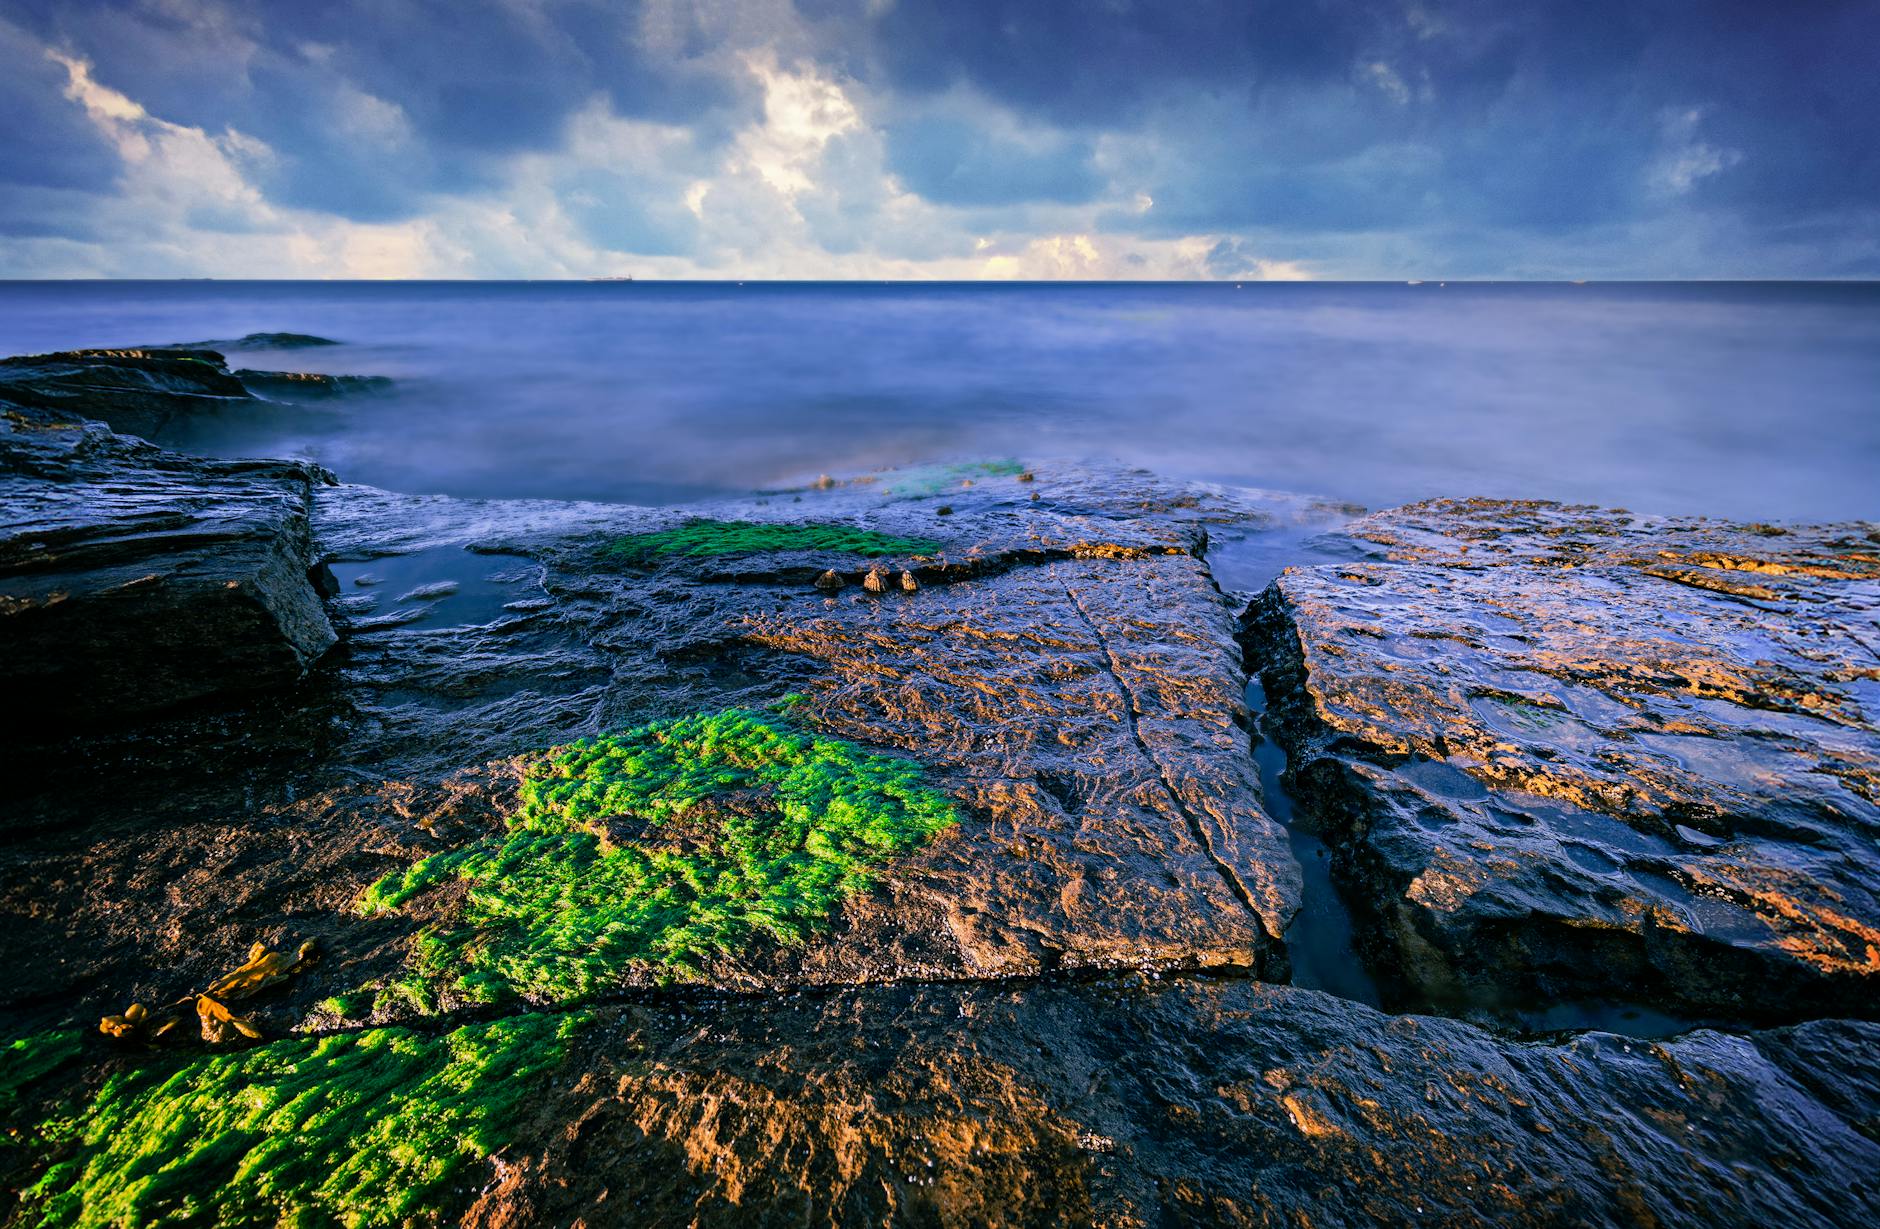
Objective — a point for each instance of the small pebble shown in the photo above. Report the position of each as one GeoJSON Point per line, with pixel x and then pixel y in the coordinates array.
{"type": "Point", "coordinates": [944, 510]}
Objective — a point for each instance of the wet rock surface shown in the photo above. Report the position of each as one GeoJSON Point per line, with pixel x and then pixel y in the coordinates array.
{"type": "Point", "coordinates": [1185, 1102]}
{"type": "Point", "coordinates": [1065, 669]}
{"type": "Point", "coordinates": [308, 385]}
{"type": "Point", "coordinates": [133, 579]}
{"type": "Point", "coordinates": [1566, 751]}
{"type": "Point", "coordinates": [154, 391]}
{"type": "Point", "coordinates": [1051, 1008]}
{"type": "Point", "coordinates": [139, 392]}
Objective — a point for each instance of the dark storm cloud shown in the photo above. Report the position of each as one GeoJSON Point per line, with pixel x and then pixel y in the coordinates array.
{"type": "Point", "coordinates": [1378, 124]}
{"type": "Point", "coordinates": [371, 106]}
{"type": "Point", "coordinates": [1534, 114]}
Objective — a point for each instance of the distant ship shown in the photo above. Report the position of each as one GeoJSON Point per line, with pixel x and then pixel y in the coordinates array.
{"type": "Point", "coordinates": [627, 278]}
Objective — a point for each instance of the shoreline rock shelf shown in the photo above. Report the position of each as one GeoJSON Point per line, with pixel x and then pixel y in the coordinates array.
{"type": "Point", "coordinates": [973, 902]}
{"type": "Point", "coordinates": [1565, 751]}
{"type": "Point", "coordinates": [134, 579]}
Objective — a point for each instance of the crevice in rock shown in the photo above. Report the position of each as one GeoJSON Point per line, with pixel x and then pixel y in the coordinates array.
{"type": "Point", "coordinates": [1321, 940]}
{"type": "Point", "coordinates": [697, 995]}
{"type": "Point", "coordinates": [1567, 978]}
{"type": "Point", "coordinates": [1130, 711]}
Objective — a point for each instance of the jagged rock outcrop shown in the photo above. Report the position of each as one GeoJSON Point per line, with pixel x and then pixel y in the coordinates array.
{"type": "Point", "coordinates": [135, 391]}
{"type": "Point", "coordinates": [1566, 751]}
{"type": "Point", "coordinates": [134, 579]}
{"type": "Point", "coordinates": [149, 390]}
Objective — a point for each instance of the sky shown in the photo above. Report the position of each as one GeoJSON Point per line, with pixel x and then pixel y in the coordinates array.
{"type": "Point", "coordinates": [940, 138]}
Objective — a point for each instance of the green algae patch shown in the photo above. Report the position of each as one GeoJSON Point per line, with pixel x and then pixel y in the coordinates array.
{"type": "Point", "coordinates": [352, 1129]}
{"type": "Point", "coordinates": [924, 481]}
{"type": "Point", "coordinates": [664, 846]}
{"type": "Point", "coordinates": [30, 1060]}
{"type": "Point", "coordinates": [704, 539]}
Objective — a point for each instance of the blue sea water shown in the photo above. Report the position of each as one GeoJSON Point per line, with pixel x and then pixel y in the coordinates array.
{"type": "Point", "coordinates": [1752, 400]}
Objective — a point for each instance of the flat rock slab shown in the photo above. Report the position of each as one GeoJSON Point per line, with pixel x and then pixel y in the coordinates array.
{"type": "Point", "coordinates": [133, 579]}
{"type": "Point", "coordinates": [1568, 751]}
{"type": "Point", "coordinates": [1064, 668]}
{"type": "Point", "coordinates": [1189, 1102]}
{"type": "Point", "coordinates": [1065, 671]}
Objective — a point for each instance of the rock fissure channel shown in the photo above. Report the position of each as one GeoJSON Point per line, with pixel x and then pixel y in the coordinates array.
{"type": "Point", "coordinates": [1131, 712]}
{"type": "Point", "coordinates": [933, 847]}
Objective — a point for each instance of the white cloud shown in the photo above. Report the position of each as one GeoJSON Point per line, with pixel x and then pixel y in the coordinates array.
{"type": "Point", "coordinates": [186, 205]}
{"type": "Point", "coordinates": [803, 191]}
{"type": "Point", "coordinates": [1386, 80]}
{"type": "Point", "coordinates": [803, 111]}
{"type": "Point", "coordinates": [1684, 160]}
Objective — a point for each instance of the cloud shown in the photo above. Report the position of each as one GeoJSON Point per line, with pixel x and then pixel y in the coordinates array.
{"type": "Point", "coordinates": [960, 150]}
{"type": "Point", "coordinates": [1685, 159]}
{"type": "Point", "coordinates": [957, 138]}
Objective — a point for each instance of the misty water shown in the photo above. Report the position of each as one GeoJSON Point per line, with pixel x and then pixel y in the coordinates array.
{"type": "Point", "coordinates": [1757, 401]}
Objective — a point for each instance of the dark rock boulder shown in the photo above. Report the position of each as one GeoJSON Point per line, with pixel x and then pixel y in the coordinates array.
{"type": "Point", "coordinates": [133, 579]}
{"type": "Point", "coordinates": [150, 391]}
{"type": "Point", "coordinates": [138, 392]}
{"type": "Point", "coordinates": [1565, 751]}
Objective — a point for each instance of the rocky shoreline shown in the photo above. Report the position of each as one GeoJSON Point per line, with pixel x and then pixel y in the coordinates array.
{"type": "Point", "coordinates": [894, 850]}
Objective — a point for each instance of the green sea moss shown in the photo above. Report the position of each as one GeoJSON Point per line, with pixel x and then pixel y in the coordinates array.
{"type": "Point", "coordinates": [925, 481]}
{"type": "Point", "coordinates": [353, 1129]}
{"type": "Point", "coordinates": [29, 1060]}
{"type": "Point", "coordinates": [700, 538]}
{"type": "Point", "coordinates": [664, 845]}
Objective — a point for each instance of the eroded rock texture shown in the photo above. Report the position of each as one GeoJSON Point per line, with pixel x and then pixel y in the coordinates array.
{"type": "Point", "coordinates": [1063, 667]}
{"type": "Point", "coordinates": [139, 392]}
{"type": "Point", "coordinates": [1181, 1103]}
{"type": "Point", "coordinates": [149, 391]}
{"type": "Point", "coordinates": [1567, 751]}
{"type": "Point", "coordinates": [133, 579]}
{"type": "Point", "coordinates": [1047, 1013]}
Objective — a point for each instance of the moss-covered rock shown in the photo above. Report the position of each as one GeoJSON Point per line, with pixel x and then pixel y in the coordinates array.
{"type": "Point", "coordinates": [353, 1129]}
{"type": "Point", "coordinates": [664, 845]}
{"type": "Point", "coordinates": [702, 538]}
{"type": "Point", "coordinates": [923, 481]}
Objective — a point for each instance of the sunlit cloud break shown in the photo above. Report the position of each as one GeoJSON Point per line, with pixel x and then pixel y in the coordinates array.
{"type": "Point", "coordinates": [924, 140]}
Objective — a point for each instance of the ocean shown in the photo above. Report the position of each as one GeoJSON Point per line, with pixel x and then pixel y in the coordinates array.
{"type": "Point", "coordinates": [1756, 401]}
